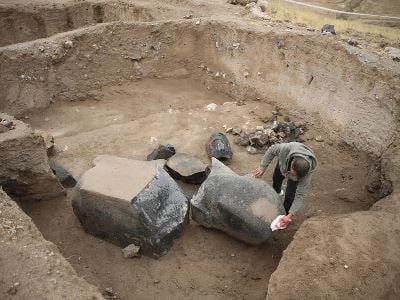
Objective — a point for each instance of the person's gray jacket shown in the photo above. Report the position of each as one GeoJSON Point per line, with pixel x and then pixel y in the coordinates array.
{"type": "Point", "coordinates": [285, 152]}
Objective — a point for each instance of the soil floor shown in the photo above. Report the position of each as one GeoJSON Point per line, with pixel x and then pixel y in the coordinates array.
{"type": "Point", "coordinates": [132, 119]}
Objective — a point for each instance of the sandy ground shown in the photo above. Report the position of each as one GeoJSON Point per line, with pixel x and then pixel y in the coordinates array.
{"type": "Point", "coordinates": [130, 120]}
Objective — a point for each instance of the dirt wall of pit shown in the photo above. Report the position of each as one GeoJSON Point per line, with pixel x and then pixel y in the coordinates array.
{"type": "Point", "coordinates": [31, 267]}
{"type": "Point", "coordinates": [357, 101]}
{"type": "Point", "coordinates": [31, 22]}
{"type": "Point", "coordinates": [353, 256]}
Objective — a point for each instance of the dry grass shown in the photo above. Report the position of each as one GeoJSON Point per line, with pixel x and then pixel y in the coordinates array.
{"type": "Point", "coordinates": [282, 10]}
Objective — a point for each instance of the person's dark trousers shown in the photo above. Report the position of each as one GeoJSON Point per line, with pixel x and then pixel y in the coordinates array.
{"type": "Point", "coordinates": [291, 187]}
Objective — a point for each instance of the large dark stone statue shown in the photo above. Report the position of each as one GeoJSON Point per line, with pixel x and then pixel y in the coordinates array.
{"type": "Point", "coordinates": [241, 206]}
{"type": "Point", "coordinates": [131, 202]}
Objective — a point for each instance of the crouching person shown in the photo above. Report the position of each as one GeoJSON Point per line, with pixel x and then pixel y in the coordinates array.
{"type": "Point", "coordinates": [296, 162]}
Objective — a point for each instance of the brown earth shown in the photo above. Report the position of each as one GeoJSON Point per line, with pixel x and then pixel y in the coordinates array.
{"type": "Point", "coordinates": [31, 267]}
{"type": "Point", "coordinates": [148, 82]}
{"type": "Point", "coordinates": [200, 265]}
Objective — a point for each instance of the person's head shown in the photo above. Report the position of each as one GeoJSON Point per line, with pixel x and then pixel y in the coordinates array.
{"type": "Point", "coordinates": [299, 167]}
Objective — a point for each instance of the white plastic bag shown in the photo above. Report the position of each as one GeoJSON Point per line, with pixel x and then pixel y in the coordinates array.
{"type": "Point", "coordinates": [278, 223]}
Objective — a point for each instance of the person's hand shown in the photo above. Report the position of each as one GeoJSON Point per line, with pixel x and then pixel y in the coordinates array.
{"type": "Point", "coordinates": [287, 219]}
{"type": "Point", "coordinates": [257, 172]}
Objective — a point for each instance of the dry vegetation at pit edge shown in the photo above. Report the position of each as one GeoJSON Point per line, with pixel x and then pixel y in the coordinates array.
{"type": "Point", "coordinates": [282, 10]}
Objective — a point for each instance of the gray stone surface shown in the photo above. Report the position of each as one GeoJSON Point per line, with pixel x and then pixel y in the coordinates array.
{"type": "Point", "coordinates": [218, 146]}
{"type": "Point", "coordinates": [187, 168]}
{"type": "Point", "coordinates": [131, 202]}
{"type": "Point", "coordinates": [162, 152]}
{"type": "Point", "coordinates": [24, 168]}
{"type": "Point", "coordinates": [241, 206]}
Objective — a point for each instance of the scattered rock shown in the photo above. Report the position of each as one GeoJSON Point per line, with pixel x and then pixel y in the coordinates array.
{"type": "Point", "coordinates": [190, 16]}
{"type": "Point", "coordinates": [162, 152]}
{"type": "Point", "coordinates": [56, 55]}
{"type": "Point", "coordinates": [63, 175]}
{"type": "Point", "coordinates": [257, 11]}
{"type": "Point", "coordinates": [7, 123]}
{"type": "Point", "coordinates": [259, 139]}
{"type": "Point", "coordinates": [218, 146]}
{"type": "Point", "coordinates": [187, 168]}
{"type": "Point", "coordinates": [108, 292]}
{"type": "Point", "coordinates": [236, 131]}
{"type": "Point", "coordinates": [48, 140]}
{"type": "Point", "coordinates": [68, 44]}
{"type": "Point", "coordinates": [394, 53]}
{"type": "Point", "coordinates": [131, 251]}
{"type": "Point", "coordinates": [251, 150]}
{"type": "Point", "coordinates": [211, 107]}
{"type": "Point", "coordinates": [242, 140]}
{"type": "Point", "coordinates": [300, 124]}
{"type": "Point", "coordinates": [280, 44]}
{"type": "Point", "coordinates": [352, 42]}
{"type": "Point", "coordinates": [241, 206]}
{"type": "Point", "coordinates": [275, 132]}
{"type": "Point", "coordinates": [236, 45]}
{"type": "Point", "coordinates": [268, 119]}
{"type": "Point", "coordinates": [128, 202]}
{"type": "Point", "coordinates": [319, 139]}
{"type": "Point", "coordinates": [327, 28]}
{"type": "Point", "coordinates": [241, 2]}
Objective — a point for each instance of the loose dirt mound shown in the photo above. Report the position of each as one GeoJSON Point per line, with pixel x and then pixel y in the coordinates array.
{"type": "Point", "coordinates": [31, 267]}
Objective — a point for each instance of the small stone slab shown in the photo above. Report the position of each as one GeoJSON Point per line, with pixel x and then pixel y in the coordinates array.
{"type": "Point", "coordinates": [131, 202]}
{"type": "Point", "coordinates": [241, 206]}
{"type": "Point", "coordinates": [218, 146]}
{"type": "Point", "coordinates": [162, 152]}
{"type": "Point", "coordinates": [187, 168]}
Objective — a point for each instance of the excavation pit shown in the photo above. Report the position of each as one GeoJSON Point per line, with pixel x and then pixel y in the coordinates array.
{"type": "Point", "coordinates": [123, 88]}
{"type": "Point", "coordinates": [202, 263]}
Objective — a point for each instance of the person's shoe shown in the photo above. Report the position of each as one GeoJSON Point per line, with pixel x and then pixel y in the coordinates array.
{"type": "Point", "coordinates": [281, 193]}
